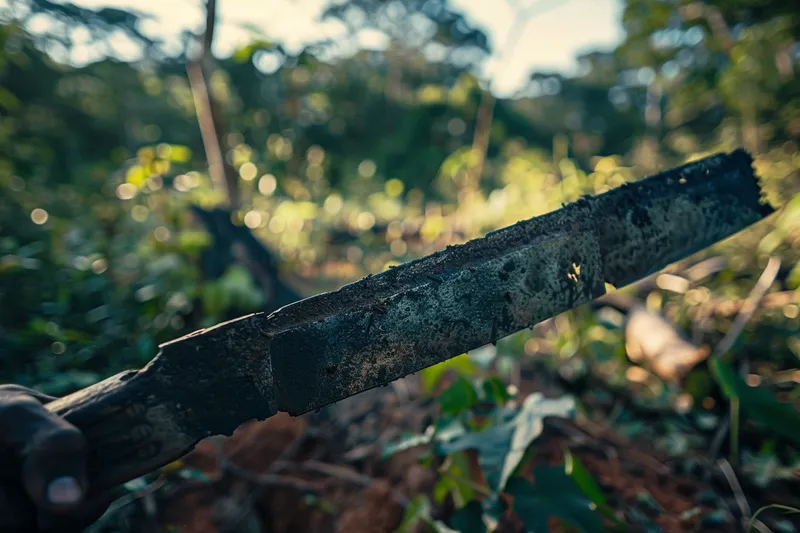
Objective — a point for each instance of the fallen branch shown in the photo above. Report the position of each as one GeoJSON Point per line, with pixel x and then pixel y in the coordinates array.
{"type": "Point", "coordinates": [341, 473]}
{"type": "Point", "coordinates": [267, 480]}
{"type": "Point", "coordinates": [749, 307]}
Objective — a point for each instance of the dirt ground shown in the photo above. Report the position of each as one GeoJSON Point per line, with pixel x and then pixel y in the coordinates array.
{"type": "Point", "coordinates": [323, 473]}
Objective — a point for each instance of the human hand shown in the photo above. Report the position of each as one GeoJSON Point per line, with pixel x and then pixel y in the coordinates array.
{"type": "Point", "coordinates": [43, 485]}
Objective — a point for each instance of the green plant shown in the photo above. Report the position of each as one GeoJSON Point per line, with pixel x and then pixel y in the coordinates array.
{"type": "Point", "coordinates": [751, 524]}
{"type": "Point", "coordinates": [483, 442]}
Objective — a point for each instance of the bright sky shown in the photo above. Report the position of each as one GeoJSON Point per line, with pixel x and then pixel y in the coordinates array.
{"type": "Point", "coordinates": [557, 31]}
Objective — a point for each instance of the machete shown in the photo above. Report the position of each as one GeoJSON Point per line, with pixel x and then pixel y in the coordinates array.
{"type": "Point", "coordinates": [325, 348]}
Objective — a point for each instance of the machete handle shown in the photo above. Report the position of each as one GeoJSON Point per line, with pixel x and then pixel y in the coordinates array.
{"type": "Point", "coordinates": [130, 424]}
{"type": "Point", "coordinates": [206, 383]}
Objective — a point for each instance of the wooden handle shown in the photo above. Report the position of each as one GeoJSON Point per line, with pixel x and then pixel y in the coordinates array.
{"type": "Point", "coordinates": [206, 383]}
{"type": "Point", "coordinates": [131, 424]}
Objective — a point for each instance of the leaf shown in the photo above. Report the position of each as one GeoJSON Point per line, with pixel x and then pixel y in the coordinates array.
{"type": "Point", "coordinates": [492, 445]}
{"type": "Point", "coordinates": [239, 287]}
{"type": "Point", "coordinates": [244, 54]}
{"type": "Point", "coordinates": [584, 480]}
{"type": "Point", "coordinates": [789, 219]}
{"type": "Point", "coordinates": [441, 489]}
{"type": "Point", "coordinates": [417, 509]}
{"type": "Point", "coordinates": [462, 365]}
{"type": "Point", "coordinates": [448, 428]}
{"type": "Point", "coordinates": [528, 425]}
{"type": "Point", "coordinates": [136, 176]}
{"type": "Point", "coordinates": [495, 391]}
{"type": "Point", "coordinates": [762, 407]}
{"type": "Point", "coordinates": [793, 279]}
{"type": "Point", "coordinates": [458, 397]}
{"type": "Point", "coordinates": [418, 512]}
{"type": "Point", "coordinates": [193, 242]}
{"type": "Point", "coordinates": [458, 478]}
{"type": "Point", "coordinates": [406, 442]}
{"type": "Point", "coordinates": [215, 300]}
{"type": "Point", "coordinates": [469, 519]}
{"type": "Point", "coordinates": [554, 494]}
{"type": "Point", "coordinates": [180, 153]}
{"type": "Point", "coordinates": [8, 100]}
{"type": "Point", "coordinates": [785, 508]}
{"type": "Point", "coordinates": [501, 448]}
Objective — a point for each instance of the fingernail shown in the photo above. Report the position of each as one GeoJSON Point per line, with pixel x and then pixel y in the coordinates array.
{"type": "Point", "coordinates": [64, 491]}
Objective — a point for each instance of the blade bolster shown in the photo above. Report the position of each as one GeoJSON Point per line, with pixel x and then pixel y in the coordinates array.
{"type": "Point", "coordinates": [220, 376]}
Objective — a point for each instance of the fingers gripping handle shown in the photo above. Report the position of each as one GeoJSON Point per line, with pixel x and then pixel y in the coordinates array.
{"type": "Point", "coordinates": [131, 426]}
{"type": "Point", "coordinates": [206, 383]}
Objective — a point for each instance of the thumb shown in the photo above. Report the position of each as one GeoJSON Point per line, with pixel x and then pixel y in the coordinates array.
{"type": "Point", "coordinates": [54, 464]}
{"type": "Point", "coordinates": [51, 451]}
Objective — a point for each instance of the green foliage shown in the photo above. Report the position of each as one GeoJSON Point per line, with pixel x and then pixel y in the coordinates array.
{"type": "Point", "coordinates": [235, 289]}
{"type": "Point", "coordinates": [461, 365]}
{"type": "Point", "coordinates": [501, 441]}
{"type": "Point", "coordinates": [245, 53]}
{"type": "Point", "coordinates": [495, 391]}
{"type": "Point", "coordinates": [501, 447]}
{"type": "Point", "coordinates": [451, 29]}
{"type": "Point", "coordinates": [455, 480]}
{"type": "Point", "coordinates": [417, 517]}
{"type": "Point", "coordinates": [469, 518]}
{"type": "Point", "coordinates": [417, 510]}
{"type": "Point", "coordinates": [751, 524]}
{"type": "Point", "coordinates": [586, 483]}
{"type": "Point", "coordinates": [553, 493]}
{"type": "Point", "coordinates": [761, 407]}
{"type": "Point", "coordinates": [458, 397]}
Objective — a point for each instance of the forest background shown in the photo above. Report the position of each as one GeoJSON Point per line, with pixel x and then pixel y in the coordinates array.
{"type": "Point", "coordinates": [147, 195]}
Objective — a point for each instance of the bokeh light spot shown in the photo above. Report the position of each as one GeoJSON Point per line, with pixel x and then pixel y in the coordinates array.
{"type": "Point", "coordinates": [39, 216]}
{"type": "Point", "coordinates": [267, 184]}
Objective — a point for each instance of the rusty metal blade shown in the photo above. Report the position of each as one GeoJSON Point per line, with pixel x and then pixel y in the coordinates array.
{"type": "Point", "coordinates": [386, 326]}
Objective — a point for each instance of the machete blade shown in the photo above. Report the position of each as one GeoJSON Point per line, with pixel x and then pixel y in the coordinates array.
{"type": "Point", "coordinates": [444, 315]}
{"type": "Point", "coordinates": [383, 327]}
